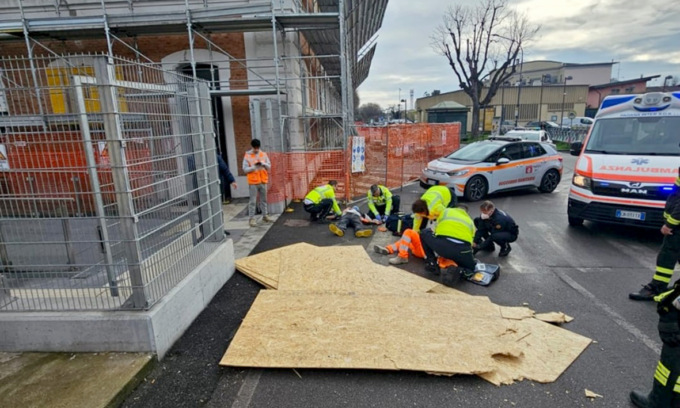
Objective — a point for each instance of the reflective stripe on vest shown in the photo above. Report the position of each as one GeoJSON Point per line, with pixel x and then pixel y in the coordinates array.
{"type": "Point", "coordinates": [455, 223]}
{"type": "Point", "coordinates": [437, 200]}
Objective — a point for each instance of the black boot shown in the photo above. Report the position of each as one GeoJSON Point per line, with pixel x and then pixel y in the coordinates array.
{"type": "Point", "coordinates": [505, 249]}
{"type": "Point", "coordinates": [649, 291]}
{"type": "Point", "coordinates": [660, 397]}
{"type": "Point", "coordinates": [431, 267]}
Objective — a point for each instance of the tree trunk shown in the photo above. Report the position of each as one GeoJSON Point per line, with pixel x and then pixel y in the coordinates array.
{"type": "Point", "coordinates": [475, 119]}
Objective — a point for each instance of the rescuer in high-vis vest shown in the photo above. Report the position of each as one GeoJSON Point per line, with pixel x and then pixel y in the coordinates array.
{"type": "Point", "coordinates": [431, 204]}
{"type": "Point", "coordinates": [665, 391]}
{"type": "Point", "coordinates": [409, 241]}
{"type": "Point", "coordinates": [381, 202]}
{"type": "Point", "coordinates": [670, 249]}
{"type": "Point", "coordinates": [451, 239]}
{"type": "Point", "coordinates": [320, 201]}
{"type": "Point", "coordinates": [256, 165]}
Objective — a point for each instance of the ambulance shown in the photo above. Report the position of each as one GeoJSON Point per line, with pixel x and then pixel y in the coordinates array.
{"type": "Point", "coordinates": [628, 162]}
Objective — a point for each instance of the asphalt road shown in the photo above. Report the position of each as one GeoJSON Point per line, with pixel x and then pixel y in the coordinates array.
{"type": "Point", "coordinates": [586, 272]}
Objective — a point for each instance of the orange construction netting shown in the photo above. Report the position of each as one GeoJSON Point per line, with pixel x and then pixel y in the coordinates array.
{"type": "Point", "coordinates": [394, 155]}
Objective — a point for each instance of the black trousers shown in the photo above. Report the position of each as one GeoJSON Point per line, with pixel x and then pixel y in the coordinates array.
{"type": "Point", "coordinates": [320, 210]}
{"type": "Point", "coordinates": [490, 235]}
{"type": "Point", "coordinates": [667, 257]}
{"type": "Point", "coordinates": [396, 201]}
{"type": "Point", "coordinates": [459, 253]}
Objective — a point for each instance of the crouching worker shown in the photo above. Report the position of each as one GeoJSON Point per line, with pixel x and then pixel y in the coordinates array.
{"type": "Point", "coordinates": [494, 227]}
{"type": "Point", "coordinates": [381, 202]}
{"type": "Point", "coordinates": [666, 385]}
{"type": "Point", "coordinates": [409, 241]}
{"type": "Point", "coordinates": [451, 239]}
{"type": "Point", "coordinates": [351, 218]}
{"type": "Point", "coordinates": [431, 204]}
{"type": "Point", "coordinates": [320, 201]}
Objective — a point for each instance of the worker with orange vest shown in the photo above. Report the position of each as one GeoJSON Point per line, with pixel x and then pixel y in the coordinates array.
{"type": "Point", "coordinates": [256, 165]}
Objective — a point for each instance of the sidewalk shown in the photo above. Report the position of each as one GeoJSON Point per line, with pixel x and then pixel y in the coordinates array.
{"type": "Point", "coordinates": [91, 380]}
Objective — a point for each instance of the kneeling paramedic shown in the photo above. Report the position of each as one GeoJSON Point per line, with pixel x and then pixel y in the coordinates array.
{"type": "Point", "coordinates": [381, 202]}
{"type": "Point", "coordinates": [320, 201]}
{"type": "Point", "coordinates": [666, 386]}
{"type": "Point", "coordinates": [431, 204]}
{"type": "Point", "coordinates": [451, 239]}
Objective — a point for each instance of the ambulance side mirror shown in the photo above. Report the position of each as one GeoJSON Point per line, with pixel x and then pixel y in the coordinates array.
{"type": "Point", "coordinates": [502, 160]}
{"type": "Point", "coordinates": [575, 148]}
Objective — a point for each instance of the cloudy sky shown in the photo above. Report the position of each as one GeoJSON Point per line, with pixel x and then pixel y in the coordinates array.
{"type": "Point", "coordinates": [644, 37]}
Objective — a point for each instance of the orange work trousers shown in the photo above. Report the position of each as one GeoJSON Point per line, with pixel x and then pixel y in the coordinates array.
{"type": "Point", "coordinates": [410, 240]}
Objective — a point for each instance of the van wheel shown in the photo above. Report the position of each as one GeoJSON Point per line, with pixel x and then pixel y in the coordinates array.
{"type": "Point", "coordinates": [476, 188]}
{"type": "Point", "coordinates": [575, 221]}
{"type": "Point", "coordinates": [549, 182]}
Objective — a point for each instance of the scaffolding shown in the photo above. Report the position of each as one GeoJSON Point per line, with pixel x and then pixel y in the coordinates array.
{"type": "Point", "coordinates": [322, 51]}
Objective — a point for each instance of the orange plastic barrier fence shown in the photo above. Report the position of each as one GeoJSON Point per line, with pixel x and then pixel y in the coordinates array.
{"type": "Point", "coordinates": [394, 155]}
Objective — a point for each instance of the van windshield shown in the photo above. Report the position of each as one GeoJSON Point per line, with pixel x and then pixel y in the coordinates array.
{"type": "Point", "coordinates": [639, 135]}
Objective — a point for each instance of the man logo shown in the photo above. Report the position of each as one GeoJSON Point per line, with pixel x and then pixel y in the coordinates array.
{"type": "Point", "coordinates": [640, 161]}
{"type": "Point", "coordinates": [635, 185]}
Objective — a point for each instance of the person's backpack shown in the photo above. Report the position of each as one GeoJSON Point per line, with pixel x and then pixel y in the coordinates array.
{"type": "Point", "coordinates": [397, 223]}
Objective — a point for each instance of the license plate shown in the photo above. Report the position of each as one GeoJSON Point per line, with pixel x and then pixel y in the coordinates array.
{"type": "Point", "coordinates": [631, 215]}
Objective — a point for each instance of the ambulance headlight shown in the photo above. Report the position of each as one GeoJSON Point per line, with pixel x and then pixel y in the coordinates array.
{"type": "Point", "coordinates": [456, 173]}
{"type": "Point", "coordinates": [582, 181]}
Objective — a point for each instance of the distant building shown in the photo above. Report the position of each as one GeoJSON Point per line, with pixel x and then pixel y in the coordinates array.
{"type": "Point", "coordinates": [597, 93]}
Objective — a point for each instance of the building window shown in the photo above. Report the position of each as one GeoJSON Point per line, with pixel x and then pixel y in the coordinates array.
{"type": "Point", "coordinates": [630, 89]}
{"type": "Point", "coordinates": [615, 91]}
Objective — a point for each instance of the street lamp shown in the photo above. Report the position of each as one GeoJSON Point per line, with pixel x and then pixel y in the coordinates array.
{"type": "Point", "coordinates": [521, 66]}
{"type": "Point", "coordinates": [564, 93]}
{"type": "Point", "coordinates": [668, 77]}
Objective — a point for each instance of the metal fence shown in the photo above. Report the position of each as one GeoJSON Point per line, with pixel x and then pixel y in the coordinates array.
{"type": "Point", "coordinates": [568, 135]}
{"type": "Point", "coordinates": [109, 194]}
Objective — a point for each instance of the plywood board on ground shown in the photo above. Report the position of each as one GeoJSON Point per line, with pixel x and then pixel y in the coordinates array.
{"type": "Point", "coordinates": [547, 352]}
{"type": "Point", "coordinates": [434, 333]}
{"type": "Point", "coordinates": [345, 270]}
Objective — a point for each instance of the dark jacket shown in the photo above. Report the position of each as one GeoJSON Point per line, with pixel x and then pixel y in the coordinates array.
{"type": "Point", "coordinates": [498, 222]}
{"type": "Point", "coordinates": [224, 170]}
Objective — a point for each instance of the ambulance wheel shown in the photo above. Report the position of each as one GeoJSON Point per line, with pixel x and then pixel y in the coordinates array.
{"type": "Point", "coordinates": [476, 188]}
{"type": "Point", "coordinates": [549, 182]}
{"type": "Point", "coordinates": [575, 221]}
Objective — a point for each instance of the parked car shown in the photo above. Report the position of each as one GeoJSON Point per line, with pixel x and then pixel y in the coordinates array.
{"type": "Point", "coordinates": [533, 135]}
{"type": "Point", "coordinates": [577, 122]}
{"type": "Point", "coordinates": [506, 126]}
{"type": "Point", "coordinates": [497, 164]}
{"type": "Point", "coordinates": [543, 125]}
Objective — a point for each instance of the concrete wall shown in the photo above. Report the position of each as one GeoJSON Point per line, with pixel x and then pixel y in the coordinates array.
{"type": "Point", "coordinates": [153, 331]}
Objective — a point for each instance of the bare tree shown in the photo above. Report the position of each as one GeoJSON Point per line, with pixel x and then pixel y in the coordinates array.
{"type": "Point", "coordinates": [481, 44]}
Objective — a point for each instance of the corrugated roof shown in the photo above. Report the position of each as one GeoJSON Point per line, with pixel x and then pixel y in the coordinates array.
{"type": "Point", "coordinates": [447, 105]}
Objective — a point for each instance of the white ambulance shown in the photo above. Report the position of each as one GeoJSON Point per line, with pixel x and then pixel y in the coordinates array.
{"type": "Point", "coordinates": [628, 162]}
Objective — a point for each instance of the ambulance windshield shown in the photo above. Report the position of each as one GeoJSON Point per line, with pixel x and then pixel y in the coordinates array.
{"type": "Point", "coordinates": [655, 135]}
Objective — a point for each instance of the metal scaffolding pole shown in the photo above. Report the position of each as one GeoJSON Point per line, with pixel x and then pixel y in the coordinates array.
{"type": "Point", "coordinates": [278, 78]}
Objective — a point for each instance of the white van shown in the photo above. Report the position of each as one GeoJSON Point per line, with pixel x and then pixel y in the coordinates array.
{"type": "Point", "coordinates": [578, 122]}
{"type": "Point", "coordinates": [628, 162]}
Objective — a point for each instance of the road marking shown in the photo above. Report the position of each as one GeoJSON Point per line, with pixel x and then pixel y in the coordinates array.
{"type": "Point", "coordinates": [247, 390]}
{"type": "Point", "coordinates": [618, 319]}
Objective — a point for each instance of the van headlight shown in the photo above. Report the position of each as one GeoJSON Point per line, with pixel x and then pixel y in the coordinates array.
{"type": "Point", "coordinates": [457, 173]}
{"type": "Point", "coordinates": [582, 181]}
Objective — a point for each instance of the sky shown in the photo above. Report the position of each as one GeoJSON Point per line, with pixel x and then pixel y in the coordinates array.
{"type": "Point", "coordinates": [643, 37]}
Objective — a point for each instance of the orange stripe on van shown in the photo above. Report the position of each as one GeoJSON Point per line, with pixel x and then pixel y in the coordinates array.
{"type": "Point", "coordinates": [617, 200]}
{"type": "Point", "coordinates": [633, 177]}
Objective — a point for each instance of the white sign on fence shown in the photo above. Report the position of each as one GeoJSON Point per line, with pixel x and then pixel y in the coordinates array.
{"type": "Point", "coordinates": [358, 154]}
{"type": "Point", "coordinates": [4, 160]}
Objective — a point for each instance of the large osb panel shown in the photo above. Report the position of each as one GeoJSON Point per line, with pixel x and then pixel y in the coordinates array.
{"type": "Point", "coordinates": [547, 352]}
{"type": "Point", "coordinates": [328, 269]}
{"type": "Point", "coordinates": [368, 331]}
